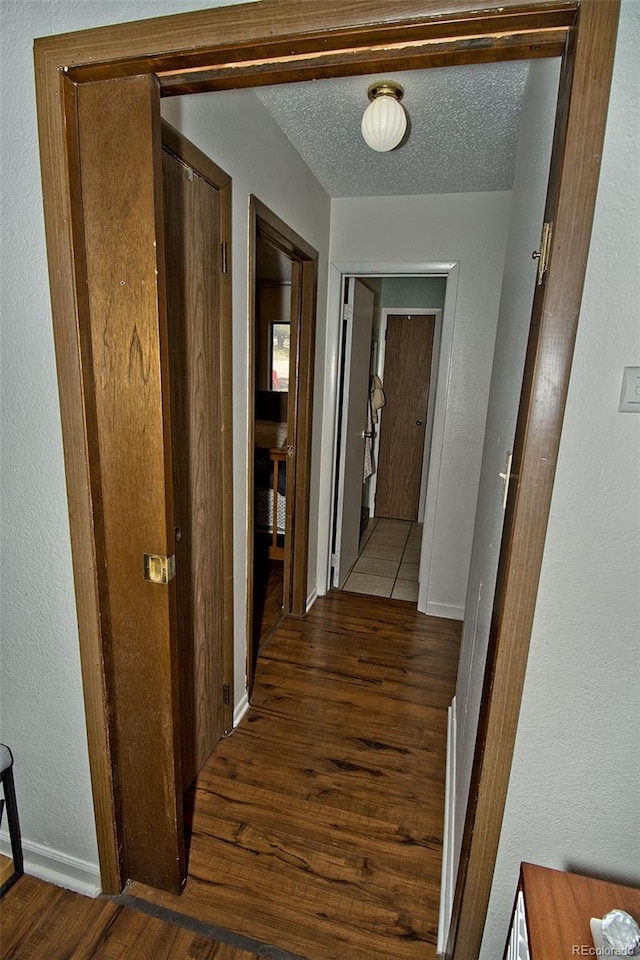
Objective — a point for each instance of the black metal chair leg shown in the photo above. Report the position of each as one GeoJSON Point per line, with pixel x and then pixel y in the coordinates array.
{"type": "Point", "coordinates": [11, 805]}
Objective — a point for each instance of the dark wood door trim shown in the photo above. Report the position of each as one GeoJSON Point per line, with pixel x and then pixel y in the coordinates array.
{"type": "Point", "coordinates": [265, 224]}
{"type": "Point", "coordinates": [578, 137]}
{"type": "Point", "coordinates": [284, 30]}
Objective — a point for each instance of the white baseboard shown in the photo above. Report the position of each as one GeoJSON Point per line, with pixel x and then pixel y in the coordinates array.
{"type": "Point", "coordinates": [311, 599]}
{"type": "Point", "coordinates": [447, 878]}
{"type": "Point", "coordinates": [241, 708]}
{"type": "Point", "coordinates": [57, 868]}
{"type": "Point", "coordinates": [452, 611]}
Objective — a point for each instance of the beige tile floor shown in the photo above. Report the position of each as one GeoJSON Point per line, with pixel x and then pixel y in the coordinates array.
{"type": "Point", "coordinates": [389, 560]}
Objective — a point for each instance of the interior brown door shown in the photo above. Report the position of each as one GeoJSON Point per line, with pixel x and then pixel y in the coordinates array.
{"type": "Point", "coordinates": [192, 218]}
{"type": "Point", "coordinates": [407, 371]}
{"type": "Point", "coordinates": [118, 210]}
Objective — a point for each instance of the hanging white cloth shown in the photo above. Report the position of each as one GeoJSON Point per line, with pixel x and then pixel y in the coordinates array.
{"type": "Point", "coordinates": [368, 443]}
{"type": "Point", "coordinates": [377, 397]}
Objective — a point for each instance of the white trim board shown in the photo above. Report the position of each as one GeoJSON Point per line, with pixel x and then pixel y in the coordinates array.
{"type": "Point", "coordinates": [57, 867]}
{"type": "Point", "coordinates": [337, 273]}
{"type": "Point", "coordinates": [450, 611]}
{"type": "Point", "coordinates": [241, 708]}
{"type": "Point", "coordinates": [447, 879]}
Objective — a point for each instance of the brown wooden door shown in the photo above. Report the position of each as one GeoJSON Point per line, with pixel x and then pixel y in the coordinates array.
{"type": "Point", "coordinates": [407, 370]}
{"type": "Point", "coordinates": [119, 210]}
{"type": "Point", "coordinates": [192, 217]}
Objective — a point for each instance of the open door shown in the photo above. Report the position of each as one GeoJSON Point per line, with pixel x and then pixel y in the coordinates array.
{"type": "Point", "coordinates": [359, 311]}
{"type": "Point", "coordinates": [118, 213]}
{"type": "Point", "coordinates": [197, 212]}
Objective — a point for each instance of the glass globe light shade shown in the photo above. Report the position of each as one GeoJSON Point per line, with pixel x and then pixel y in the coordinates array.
{"type": "Point", "coordinates": [384, 123]}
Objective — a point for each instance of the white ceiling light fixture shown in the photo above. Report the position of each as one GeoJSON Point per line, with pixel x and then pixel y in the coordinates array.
{"type": "Point", "coordinates": [384, 123]}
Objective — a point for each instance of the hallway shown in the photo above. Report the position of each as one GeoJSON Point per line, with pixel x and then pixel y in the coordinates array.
{"type": "Point", "coordinates": [317, 826]}
{"type": "Point", "coordinates": [388, 564]}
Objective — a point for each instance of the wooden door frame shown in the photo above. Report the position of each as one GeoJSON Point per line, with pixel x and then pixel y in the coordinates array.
{"type": "Point", "coordinates": [278, 41]}
{"type": "Point", "coordinates": [267, 225]}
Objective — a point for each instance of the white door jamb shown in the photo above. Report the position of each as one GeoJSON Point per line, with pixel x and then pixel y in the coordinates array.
{"type": "Point", "coordinates": [333, 360]}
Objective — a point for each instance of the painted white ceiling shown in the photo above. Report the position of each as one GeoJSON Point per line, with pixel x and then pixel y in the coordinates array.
{"type": "Point", "coordinates": [462, 138]}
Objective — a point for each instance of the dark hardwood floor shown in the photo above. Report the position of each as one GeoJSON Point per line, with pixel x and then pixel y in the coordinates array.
{"type": "Point", "coordinates": [317, 825]}
{"type": "Point", "coordinates": [268, 597]}
{"type": "Point", "coordinates": [43, 922]}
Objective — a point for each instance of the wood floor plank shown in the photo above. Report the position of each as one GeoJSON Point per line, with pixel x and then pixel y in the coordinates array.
{"type": "Point", "coordinates": [43, 922]}
{"type": "Point", "coordinates": [366, 776]}
{"type": "Point", "coordinates": [6, 869]}
{"type": "Point", "coordinates": [50, 919]}
{"type": "Point", "coordinates": [317, 826]}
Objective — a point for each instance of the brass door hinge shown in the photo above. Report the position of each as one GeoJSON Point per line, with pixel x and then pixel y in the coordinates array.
{"type": "Point", "coordinates": [159, 569]}
{"type": "Point", "coordinates": [542, 255]}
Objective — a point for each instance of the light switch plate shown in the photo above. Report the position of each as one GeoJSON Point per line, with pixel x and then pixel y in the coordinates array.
{"type": "Point", "coordinates": [630, 395]}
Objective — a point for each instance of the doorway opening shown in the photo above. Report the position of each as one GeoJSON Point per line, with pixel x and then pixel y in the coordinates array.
{"type": "Point", "coordinates": [301, 42]}
{"type": "Point", "coordinates": [282, 320]}
{"type": "Point", "coordinates": [362, 298]}
{"type": "Point", "coordinates": [391, 333]}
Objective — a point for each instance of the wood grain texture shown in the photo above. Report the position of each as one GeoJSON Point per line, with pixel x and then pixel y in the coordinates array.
{"type": "Point", "coordinates": [268, 600]}
{"type": "Point", "coordinates": [528, 45]}
{"type": "Point", "coordinates": [403, 419]}
{"type": "Point", "coordinates": [575, 164]}
{"type": "Point", "coordinates": [317, 827]}
{"type": "Point", "coordinates": [192, 215]}
{"type": "Point", "coordinates": [559, 906]}
{"type": "Point", "coordinates": [43, 922]}
{"type": "Point", "coordinates": [281, 28]}
{"type": "Point", "coordinates": [81, 454]}
{"type": "Point", "coordinates": [208, 37]}
{"type": "Point", "coordinates": [6, 869]}
{"type": "Point", "coordinates": [122, 210]}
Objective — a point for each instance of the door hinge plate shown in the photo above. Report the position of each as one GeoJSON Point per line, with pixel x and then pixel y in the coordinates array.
{"type": "Point", "coordinates": [542, 255]}
{"type": "Point", "coordinates": [159, 569]}
{"type": "Point", "coordinates": [224, 257]}
{"type": "Point", "coordinates": [334, 560]}
{"type": "Point", "coordinates": [226, 694]}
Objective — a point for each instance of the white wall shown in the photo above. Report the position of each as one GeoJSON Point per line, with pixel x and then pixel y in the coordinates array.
{"type": "Point", "coordinates": [227, 127]}
{"type": "Point", "coordinates": [42, 716]}
{"type": "Point", "coordinates": [472, 229]}
{"type": "Point", "coordinates": [413, 292]}
{"type": "Point", "coordinates": [573, 800]}
{"type": "Point", "coordinates": [518, 285]}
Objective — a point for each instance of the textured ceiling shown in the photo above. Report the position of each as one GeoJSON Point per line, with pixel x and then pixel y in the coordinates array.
{"type": "Point", "coordinates": [462, 136]}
